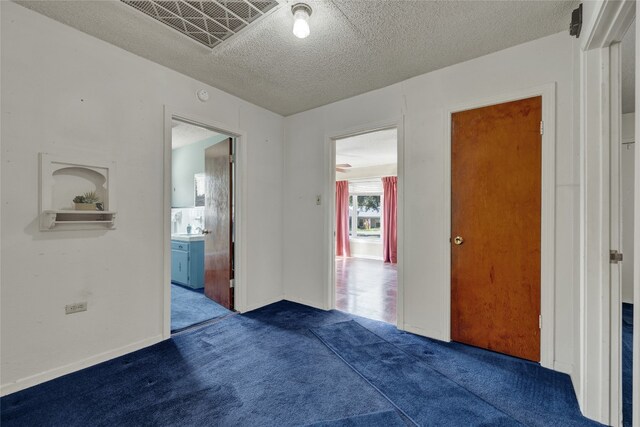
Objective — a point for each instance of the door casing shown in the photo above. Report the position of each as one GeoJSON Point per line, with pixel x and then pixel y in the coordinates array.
{"type": "Point", "coordinates": [330, 210]}
{"type": "Point", "coordinates": [240, 247]}
{"type": "Point", "coordinates": [547, 261]}
{"type": "Point", "coordinates": [597, 393]}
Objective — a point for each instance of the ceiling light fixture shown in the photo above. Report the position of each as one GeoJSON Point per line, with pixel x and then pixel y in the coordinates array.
{"type": "Point", "coordinates": [301, 13]}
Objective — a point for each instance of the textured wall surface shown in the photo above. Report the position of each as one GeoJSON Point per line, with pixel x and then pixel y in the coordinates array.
{"type": "Point", "coordinates": [65, 92]}
{"type": "Point", "coordinates": [422, 102]}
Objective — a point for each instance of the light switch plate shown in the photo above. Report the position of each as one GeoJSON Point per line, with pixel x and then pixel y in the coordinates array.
{"type": "Point", "coordinates": [318, 200]}
{"type": "Point", "coordinates": [75, 307]}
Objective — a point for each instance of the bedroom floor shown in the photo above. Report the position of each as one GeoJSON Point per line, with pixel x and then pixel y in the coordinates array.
{"type": "Point", "coordinates": [367, 288]}
{"type": "Point", "coordinates": [288, 365]}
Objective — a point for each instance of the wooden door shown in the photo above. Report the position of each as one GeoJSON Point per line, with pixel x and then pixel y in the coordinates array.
{"type": "Point", "coordinates": [218, 218]}
{"type": "Point", "coordinates": [496, 166]}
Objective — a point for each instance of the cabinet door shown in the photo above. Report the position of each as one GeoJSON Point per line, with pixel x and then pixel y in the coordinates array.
{"type": "Point", "coordinates": [180, 267]}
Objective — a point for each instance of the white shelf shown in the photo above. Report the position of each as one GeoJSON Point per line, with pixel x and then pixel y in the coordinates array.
{"type": "Point", "coordinates": [78, 212]}
{"type": "Point", "coordinates": [52, 219]}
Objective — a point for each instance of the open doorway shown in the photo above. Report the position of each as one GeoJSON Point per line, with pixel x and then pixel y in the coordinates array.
{"type": "Point", "coordinates": [202, 212]}
{"type": "Point", "coordinates": [366, 274]}
{"type": "Point", "coordinates": [627, 168]}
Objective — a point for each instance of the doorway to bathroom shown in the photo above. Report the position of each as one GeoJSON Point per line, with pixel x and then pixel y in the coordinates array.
{"type": "Point", "coordinates": [202, 235]}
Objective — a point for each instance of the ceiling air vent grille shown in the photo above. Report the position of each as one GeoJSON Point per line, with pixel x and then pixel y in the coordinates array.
{"type": "Point", "coordinates": [209, 22]}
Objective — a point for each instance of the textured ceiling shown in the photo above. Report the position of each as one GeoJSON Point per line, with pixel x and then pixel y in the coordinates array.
{"type": "Point", "coordinates": [369, 149]}
{"type": "Point", "coordinates": [184, 134]}
{"type": "Point", "coordinates": [628, 57]}
{"type": "Point", "coordinates": [355, 45]}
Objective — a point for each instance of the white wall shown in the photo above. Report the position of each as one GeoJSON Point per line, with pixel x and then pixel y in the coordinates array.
{"type": "Point", "coordinates": [186, 162]}
{"type": "Point", "coordinates": [627, 154]}
{"type": "Point", "coordinates": [181, 218]}
{"type": "Point", "coordinates": [423, 101]}
{"type": "Point", "coordinates": [368, 172]}
{"type": "Point", "coordinates": [364, 249]}
{"type": "Point", "coordinates": [64, 91]}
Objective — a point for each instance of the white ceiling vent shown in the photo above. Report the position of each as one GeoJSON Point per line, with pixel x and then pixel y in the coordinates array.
{"type": "Point", "coordinates": [209, 22]}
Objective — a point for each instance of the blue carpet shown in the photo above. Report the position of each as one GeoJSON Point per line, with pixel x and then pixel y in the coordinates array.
{"type": "Point", "coordinates": [190, 307]}
{"type": "Point", "coordinates": [239, 371]}
{"type": "Point", "coordinates": [267, 368]}
{"type": "Point", "coordinates": [378, 419]}
{"type": "Point", "coordinates": [627, 363]}
{"type": "Point", "coordinates": [420, 392]}
{"type": "Point", "coordinates": [530, 394]}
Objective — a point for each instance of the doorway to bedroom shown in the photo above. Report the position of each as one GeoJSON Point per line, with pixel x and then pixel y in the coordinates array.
{"type": "Point", "coordinates": [202, 210]}
{"type": "Point", "coordinates": [366, 180]}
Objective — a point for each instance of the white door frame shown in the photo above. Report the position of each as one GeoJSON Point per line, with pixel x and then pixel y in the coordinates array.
{"type": "Point", "coordinates": [598, 370]}
{"type": "Point", "coordinates": [330, 209]}
{"type": "Point", "coordinates": [636, 248]}
{"type": "Point", "coordinates": [548, 187]}
{"type": "Point", "coordinates": [615, 237]}
{"type": "Point", "coordinates": [240, 254]}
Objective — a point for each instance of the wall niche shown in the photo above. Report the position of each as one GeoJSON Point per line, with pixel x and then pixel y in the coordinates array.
{"type": "Point", "coordinates": [62, 179]}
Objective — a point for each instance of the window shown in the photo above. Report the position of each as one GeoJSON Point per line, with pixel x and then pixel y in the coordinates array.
{"type": "Point", "coordinates": [365, 213]}
{"type": "Point", "coordinates": [365, 209]}
{"type": "Point", "coordinates": [198, 189]}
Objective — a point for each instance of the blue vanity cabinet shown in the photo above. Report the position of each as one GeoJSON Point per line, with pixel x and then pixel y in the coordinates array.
{"type": "Point", "coordinates": [187, 263]}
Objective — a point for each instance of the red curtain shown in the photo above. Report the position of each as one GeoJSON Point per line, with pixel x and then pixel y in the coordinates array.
{"type": "Point", "coordinates": [342, 219]}
{"type": "Point", "coordinates": [390, 219]}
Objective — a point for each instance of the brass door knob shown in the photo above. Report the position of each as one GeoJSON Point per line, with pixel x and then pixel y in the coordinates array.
{"type": "Point", "coordinates": [458, 240]}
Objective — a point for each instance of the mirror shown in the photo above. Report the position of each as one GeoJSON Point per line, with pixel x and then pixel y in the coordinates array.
{"type": "Point", "coordinates": [198, 189]}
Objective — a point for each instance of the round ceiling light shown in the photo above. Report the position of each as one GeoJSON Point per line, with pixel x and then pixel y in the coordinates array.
{"type": "Point", "coordinates": [301, 13]}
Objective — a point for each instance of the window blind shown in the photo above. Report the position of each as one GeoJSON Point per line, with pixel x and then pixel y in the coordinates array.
{"type": "Point", "coordinates": [365, 186]}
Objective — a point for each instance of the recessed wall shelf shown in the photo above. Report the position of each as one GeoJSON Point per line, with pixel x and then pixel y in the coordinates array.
{"type": "Point", "coordinates": [51, 219]}
{"type": "Point", "coordinates": [61, 179]}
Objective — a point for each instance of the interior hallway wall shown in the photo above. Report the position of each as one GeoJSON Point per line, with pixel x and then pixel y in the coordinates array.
{"type": "Point", "coordinates": [65, 92]}
{"type": "Point", "coordinates": [423, 102]}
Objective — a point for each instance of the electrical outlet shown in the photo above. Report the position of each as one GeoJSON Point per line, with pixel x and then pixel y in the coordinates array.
{"type": "Point", "coordinates": [75, 307]}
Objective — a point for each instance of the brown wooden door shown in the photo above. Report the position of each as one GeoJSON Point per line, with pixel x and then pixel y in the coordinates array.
{"type": "Point", "coordinates": [496, 165]}
{"type": "Point", "coordinates": [218, 217]}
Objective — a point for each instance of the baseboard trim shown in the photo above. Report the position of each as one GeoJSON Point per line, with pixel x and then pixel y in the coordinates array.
{"type": "Point", "coordinates": [51, 374]}
{"type": "Point", "coordinates": [304, 302]}
{"type": "Point", "coordinates": [268, 301]}
{"type": "Point", "coordinates": [371, 257]}
{"type": "Point", "coordinates": [436, 335]}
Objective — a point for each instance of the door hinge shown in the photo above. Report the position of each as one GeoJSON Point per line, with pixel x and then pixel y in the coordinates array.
{"type": "Point", "coordinates": [232, 158]}
{"type": "Point", "coordinates": [231, 283]}
{"type": "Point", "coordinates": [540, 322]}
{"type": "Point", "coordinates": [615, 257]}
{"type": "Point", "coordinates": [541, 127]}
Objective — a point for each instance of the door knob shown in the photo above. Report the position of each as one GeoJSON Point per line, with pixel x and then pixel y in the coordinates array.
{"type": "Point", "coordinates": [458, 240]}
{"type": "Point", "coordinates": [205, 231]}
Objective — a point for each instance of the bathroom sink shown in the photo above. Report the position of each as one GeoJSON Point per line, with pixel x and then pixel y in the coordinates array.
{"type": "Point", "coordinates": [187, 237]}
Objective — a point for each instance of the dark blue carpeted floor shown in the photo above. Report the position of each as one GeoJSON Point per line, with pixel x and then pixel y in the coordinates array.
{"type": "Point", "coordinates": [190, 307]}
{"type": "Point", "coordinates": [627, 363]}
{"type": "Point", "coordinates": [288, 364]}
